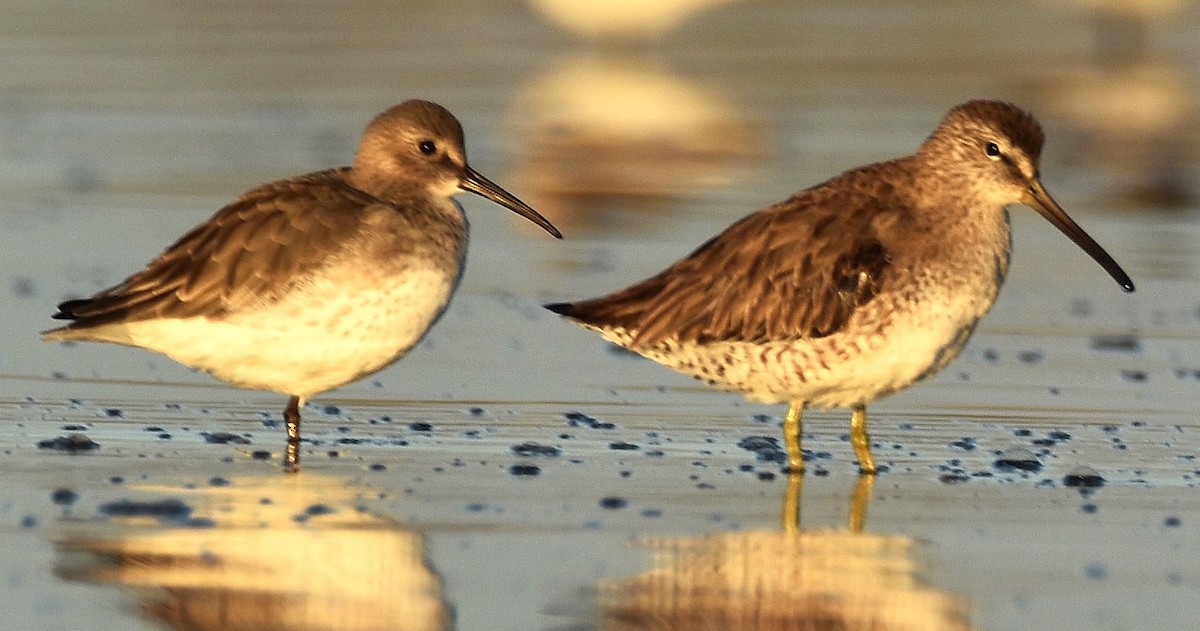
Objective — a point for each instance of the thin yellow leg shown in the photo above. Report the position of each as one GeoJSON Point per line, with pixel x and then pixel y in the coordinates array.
{"type": "Point", "coordinates": [860, 440]}
{"type": "Point", "coordinates": [859, 502]}
{"type": "Point", "coordinates": [291, 420]}
{"type": "Point", "coordinates": [791, 436]}
{"type": "Point", "coordinates": [789, 518]}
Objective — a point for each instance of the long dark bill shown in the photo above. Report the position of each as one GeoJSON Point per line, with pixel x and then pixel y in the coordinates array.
{"type": "Point", "coordinates": [1038, 199]}
{"type": "Point", "coordinates": [475, 183]}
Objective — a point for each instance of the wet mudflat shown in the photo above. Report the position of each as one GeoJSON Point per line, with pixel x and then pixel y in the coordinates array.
{"type": "Point", "coordinates": [514, 472]}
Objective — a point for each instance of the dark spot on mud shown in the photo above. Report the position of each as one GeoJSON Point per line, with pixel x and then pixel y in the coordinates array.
{"type": "Point", "coordinates": [224, 438]}
{"type": "Point", "coordinates": [319, 509]}
{"type": "Point", "coordinates": [531, 449]}
{"type": "Point", "coordinates": [1116, 343]}
{"type": "Point", "coordinates": [476, 411]}
{"type": "Point", "coordinates": [71, 443]}
{"type": "Point", "coordinates": [218, 481]}
{"type": "Point", "coordinates": [953, 478]}
{"type": "Point", "coordinates": [260, 454]}
{"type": "Point", "coordinates": [623, 446]}
{"type": "Point", "coordinates": [613, 502]}
{"type": "Point", "coordinates": [113, 413]}
{"type": "Point", "coordinates": [64, 497]}
{"type": "Point", "coordinates": [1089, 509]}
{"type": "Point", "coordinates": [1172, 522]}
{"type": "Point", "coordinates": [525, 470]}
{"type": "Point", "coordinates": [1095, 571]}
{"type": "Point", "coordinates": [331, 410]}
{"type": "Point", "coordinates": [764, 448]}
{"type": "Point", "coordinates": [29, 521]}
{"type": "Point", "coordinates": [1083, 477]}
{"type": "Point", "coordinates": [1017, 459]}
{"type": "Point", "coordinates": [377, 466]}
{"type": "Point", "coordinates": [1030, 357]}
{"type": "Point", "coordinates": [168, 509]}
{"type": "Point", "coordinates": [651, 513]}
{"type": "Point", "coordinates": [420, 426]}
{"type": "Point", "coordinates": [1134, 376]}
{"type": "Point", "coordinates": [965, 443]}
{"type": "Point", "coordinates": [24, 287]}
{"type": "Point", "coordinates": [579, 419]}
{"type": "Point", "coordinates": [73, 428]}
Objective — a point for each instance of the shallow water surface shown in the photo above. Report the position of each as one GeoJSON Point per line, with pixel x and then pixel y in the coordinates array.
{"type": "Point", "coordinates": [514, 472]}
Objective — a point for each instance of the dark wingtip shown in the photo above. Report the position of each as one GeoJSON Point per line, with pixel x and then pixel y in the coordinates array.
{"type": "Point", "coordinates": [1127, 287]}
{"type": "Point", "coordinates": [561, 308]}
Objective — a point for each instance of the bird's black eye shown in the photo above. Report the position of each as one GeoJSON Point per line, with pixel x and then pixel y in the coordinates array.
{"type": "Point", "coordinates": [427, 147]}
{"type": "Point", "coordinates": [992, 149]}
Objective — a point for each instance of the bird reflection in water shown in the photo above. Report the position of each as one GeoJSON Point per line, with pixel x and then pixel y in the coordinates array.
{"type": "Point", "coordinates": [283, 556]}
{"type": "Point", "coordinates": [843, 578]}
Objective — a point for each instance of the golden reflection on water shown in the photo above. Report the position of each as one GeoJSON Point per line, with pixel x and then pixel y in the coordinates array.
{"type": "Point", "coordinates": [621, 19]}
{"type": "Point", "coordinates": [1132, 109]}
{"type": "Point", "coordinates": [272, 561]}
{"type": "Point", "coordinates": [791, 579]}
{"type": "Point", "coordinates": [653, 138]}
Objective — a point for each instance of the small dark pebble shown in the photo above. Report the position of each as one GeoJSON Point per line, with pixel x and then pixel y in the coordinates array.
{"type": "Point", "coordinates": [1134, 376]}
{"type": "Point", "coordinates": [162, 509]}
{"type": "Point", "coordinates": [218, 481]}
{"type": "Point", "coordinates": [966, 443]}
{"type": "Point", "coordinates": [64, 497]}
{"type": "Point", "coordinates": [765, 448]}
{"type": "Point", "coordinates": [319, 509]}
{"type": "Point", "coordinates": [821, 473]}
{"type": "Point", "coordinates": [1096, 571]}
{"type": "Point", "coordinates": [1116, 343]}
{"type": "Point", "coordinates": [762, 418]}
{"type": "Point", "coordinates": [651, 513]}
{"type": "Point", "coordinates": [1030, 357]}
{"type": "Point", "coordinates": [73, 428]}
{"type": "Point", "coordinates": [116, 479]}
{"type": "Point", "coordinates": [420, 426]}
{"type": "Point", "coordinates": [153, 428]}
{"type": "Point", "coordinates": [1172, 522]}
{"type": "Point", "coordinates": [476, 411]}
{"type": "Point", "coordinates": [1089, 508]}
{"type": "Point", "coordinates": [260, 454]}
{"type": "Point", "coordinates": [113, 413]}
{"type": "Point", "coordinates": [1083, 477]}
{"type": "Point", "coordinates": [623, 446]}
{"type": "Point", "coordinates": [29, 521]}
{"type": "Point", "coordinates": [377, 466]}
{"type": "Point", "coordinates": [224, 438]}
{"type": "Point", "coordinates": [953, 478]}
{"type": "Point", "coordinates": [613, 502]}
{"type": "Point", "coordinates": [1022, 432]}
{"type": "Point", "coordinates": [1058, 435]}
{"type": "Point", "coordinates": [331, 410]}
{"type": "Point", "coordinates": [766, 475]}
{"type": "Point", "coordinates": [1017, 459]}
{"type": "Point", "coordinates": [71, 443]}
{"type": "Point", "coordinates": [579, 419]}
{"type": "Point", "coordinates": [530, 449]}
{"type": "Point", "coordinates": [525, 469]}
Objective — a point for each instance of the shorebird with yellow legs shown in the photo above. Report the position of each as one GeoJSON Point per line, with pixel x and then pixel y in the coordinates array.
{"type": "Point", "coordinates": [854, 288]}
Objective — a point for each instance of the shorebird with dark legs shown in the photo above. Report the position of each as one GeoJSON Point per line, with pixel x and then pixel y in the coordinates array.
{"type": "Point", "coordinates": [852, 289]}
{"type": "Point", "coordinates": [305, 284]}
